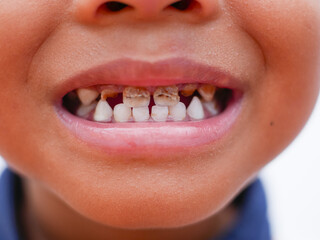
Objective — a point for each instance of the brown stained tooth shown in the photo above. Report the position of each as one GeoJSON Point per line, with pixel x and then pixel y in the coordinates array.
{"type": "Point", "coordinates": [109, 91]}
{"type": "Point", "coordinates": [166, 96]}
{"type": "Point", "coordinates": [188, 90]}
{"type": "Point", "coordinates": [136, 97]}
{"type": "Point", "coordinates": [207, 92]}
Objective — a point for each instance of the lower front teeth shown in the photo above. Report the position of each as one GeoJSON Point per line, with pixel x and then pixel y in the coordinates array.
{"type": "Point", "coordinates": [140, 114]}
{"type": "Point", "coordinates": [178, 112]}
{"type": "Point", "coordinates": [159, 113]}
{"type": "Point", "coordinates": [122, 113]}
{"type": "Point", "coordinates": [103, 112]}
{"type": "Point", "coordinates": [84, 111]}
{"type": "Point", "coordinates": [195, 109]}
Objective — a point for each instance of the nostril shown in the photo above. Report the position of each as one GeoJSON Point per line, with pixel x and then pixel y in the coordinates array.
{"type": "Point", "coordinates": [114, 6]}
{"type": "Point", "coordinates": [184, 4]}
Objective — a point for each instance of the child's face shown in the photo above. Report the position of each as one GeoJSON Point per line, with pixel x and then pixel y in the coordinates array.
{"type": "Point", "coordinates": [269, 47]}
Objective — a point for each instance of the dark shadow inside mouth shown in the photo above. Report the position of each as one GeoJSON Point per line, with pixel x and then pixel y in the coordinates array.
{"type": "Point", "coordinates": [222, 97]}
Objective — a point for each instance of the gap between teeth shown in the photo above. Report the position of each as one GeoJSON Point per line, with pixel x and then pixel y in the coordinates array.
{"type": "Point", "coordinates": [136, 100]}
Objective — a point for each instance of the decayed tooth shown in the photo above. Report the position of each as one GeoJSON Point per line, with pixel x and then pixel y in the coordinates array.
{"type": "Point", "coordinates": [207, 92]}
{"type": "Point", "coordinates": [136, 97]}
{"type": "Point", "coordinates": [87, 95]}
{"type": "Point", "coordinates": [103, 112]}
{"type": "Point", "coordinates": [159, 113]}
{"type": "Point", "coordinates": [109, 91]}
{"type": "Point", "coordinates": [140, 114]}
{"type": "Point", "coordinates": [178, 112]}
{"type": "Point", "coordinates": [188, 90]}
{"type": "Point", "coordinates": [195, 109]}
{"type": "Point", "coordinates": [121, 113]}
{"type": "Point", "coordinates": [166, 96]}
{"type": "Point", "coordinates": [212, 107]}
{"type": "Point", "coordinates": [83, 111]}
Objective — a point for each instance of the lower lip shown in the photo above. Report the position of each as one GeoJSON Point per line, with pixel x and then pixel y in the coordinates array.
{"type": "Point", "coordinates": [155, 135]}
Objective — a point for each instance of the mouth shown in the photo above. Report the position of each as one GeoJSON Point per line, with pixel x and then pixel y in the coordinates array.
{"type": "Point", "coordinates": [129, 105]}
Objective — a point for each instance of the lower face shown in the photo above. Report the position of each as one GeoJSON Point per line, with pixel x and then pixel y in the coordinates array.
{"type": "Point", "coordinates": [191, 167]}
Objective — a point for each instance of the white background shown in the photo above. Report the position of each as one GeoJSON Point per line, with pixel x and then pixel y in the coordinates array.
{"type": "Point", "coordinates": [292, 183]}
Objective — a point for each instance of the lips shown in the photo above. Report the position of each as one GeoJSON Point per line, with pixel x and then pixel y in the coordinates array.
{"type": "Point", "coordinates": [134, 136]}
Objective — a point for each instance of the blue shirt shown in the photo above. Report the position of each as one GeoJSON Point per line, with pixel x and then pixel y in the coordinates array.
{"type": "Point", "coordinates": [251, 224]}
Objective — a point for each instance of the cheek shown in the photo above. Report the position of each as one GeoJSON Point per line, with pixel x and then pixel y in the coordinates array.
{"type": "Point", "coordinates": [288, 33]}
{"type": "Point", "coordinates": [24, 27]}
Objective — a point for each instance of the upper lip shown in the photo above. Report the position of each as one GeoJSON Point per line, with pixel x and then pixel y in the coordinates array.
{"type": "Point", "coordinates": [141, 73]}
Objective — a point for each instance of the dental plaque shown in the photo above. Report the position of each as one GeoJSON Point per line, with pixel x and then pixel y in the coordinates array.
{"type": "Point", "coordinates": [114, 103]}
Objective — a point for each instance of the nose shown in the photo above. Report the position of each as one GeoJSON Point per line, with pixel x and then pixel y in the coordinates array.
{"type": "Point", "coordinates": [97, 11]}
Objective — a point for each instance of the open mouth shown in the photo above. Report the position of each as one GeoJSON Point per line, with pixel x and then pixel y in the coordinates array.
{"type": "Point", "coordinates": [175, 103]}
{"type": "Point", "coordinates": [131, 105]}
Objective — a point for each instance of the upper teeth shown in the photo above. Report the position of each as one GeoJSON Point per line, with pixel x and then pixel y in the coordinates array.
{"type": "Point", "coordinates": [166, 96]}
{"type": "Point", "coordinates": [207, 92]}
{"type": "Point", "coordinates": [188, 89]}
{"type": "Point", "coordinates": [136, 97]}
{"type": "Point", "coordinates": [109, 91]}
{"type": "Point", "coordinates": [136, 102]}
{"type": "Point", "coordinates": [87, 95]}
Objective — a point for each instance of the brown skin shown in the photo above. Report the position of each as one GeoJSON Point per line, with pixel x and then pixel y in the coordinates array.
{"type": "Point", "coordinates": [76, 192]}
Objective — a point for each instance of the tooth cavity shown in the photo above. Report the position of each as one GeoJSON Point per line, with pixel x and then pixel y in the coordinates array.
{"type": "Point", "coordinates": [178, 112]}
{"type": "Point", "coordinates": [159, 113]}
{"type": "Point", "coordinates": [140, 114]}
{"type": "Point", "coordinates": [212, 107]}
{"type": "Point", "coordinates": [188, 90]}
{"type": "Point", "coordinates": [195, 109]}
{"type": "Point", "coordinates": [103, 112]}
{"type": "Point", "coordinates": [122, 113]}
{"type": "Point", "coordinates": [166, 96]}
{"type": "Point", "coordinates": [87, 95]}
{"type": "Point", "coordinates": [83, 111]}
{"type": "Point", "coordinates": [136, 97]}
{"type": "Point", "coordinates": [109, 91]}
{"type": "Point", "coordinates": [207, 92]}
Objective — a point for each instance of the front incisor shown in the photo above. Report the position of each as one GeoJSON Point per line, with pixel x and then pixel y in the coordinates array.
{"type": "Point", "coordinates": [136, 97]}
{"type": "Point", "coordinates": [166, 96]}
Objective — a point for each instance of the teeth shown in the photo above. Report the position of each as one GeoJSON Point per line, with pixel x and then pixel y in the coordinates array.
{"type": "Point", "coordinates": [212, 107]}
{"type": "Point", "coordinates": [87, 95]}
{"type": "Point", "coordinates": [136, 97]}
{"type": "Point", "coordinates": [122, 113]}
{"type": "Point", "coordinates": [178, 112]}
{"type": "Point", "coordinates": [159, 113]}
{"type": "Point", "coordinates": [188, 90]}
{"type": "Point", "coordinates": [140, 114]}
{"type": "Point", "coordinates": [83, 111]}
{"type": "Point", "coordinates": [103, 112]}
{"type": "Point", "coordinates": [207, 92]}
{"type": "Point", "coordinates": [166, 96]}
{"type": "Point", "coordinates": [109, 91]}
{"type": "Point", "coordinates": [195, 109]}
